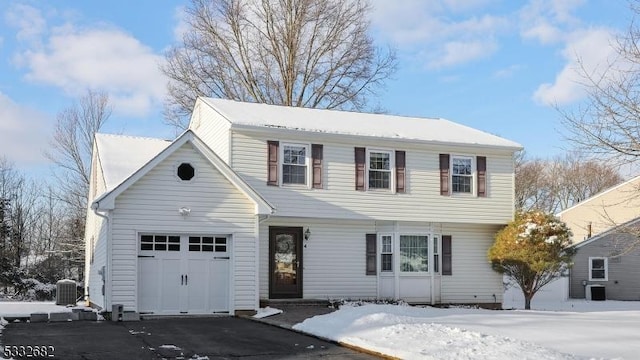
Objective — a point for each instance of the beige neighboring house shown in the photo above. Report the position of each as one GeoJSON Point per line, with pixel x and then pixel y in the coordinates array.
{"type": "Point", "coordinates": [603, 211]}
{"type": "Point", "coordinates": [607, 263]}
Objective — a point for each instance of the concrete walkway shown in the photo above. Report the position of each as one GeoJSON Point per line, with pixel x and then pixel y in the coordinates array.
{"type": "Point", "coordinates": [294, 313]}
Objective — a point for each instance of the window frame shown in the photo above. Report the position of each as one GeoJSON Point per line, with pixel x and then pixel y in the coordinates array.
{"type": "Point", "coordinates": [472, 176]}
{"type": "Point", "coordinates": [382, 252]}
{"type": "Point", "coordinates": [392, 169]}
{"type": "Point", "coordinates": [605, 269]}
{"type": "Point", "coordinates": [428, 238]}
{"type": "Point", "coordinates": [308, 164]}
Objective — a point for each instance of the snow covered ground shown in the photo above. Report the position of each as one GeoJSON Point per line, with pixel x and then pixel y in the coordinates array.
{"type": "Point", "coordinates": [589, 330]}
{"type": "Point", "coordinates": [575, 329]}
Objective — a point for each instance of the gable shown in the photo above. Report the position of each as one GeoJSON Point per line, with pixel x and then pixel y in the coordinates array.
{"type": "Point", "coordinates": [107, 200]}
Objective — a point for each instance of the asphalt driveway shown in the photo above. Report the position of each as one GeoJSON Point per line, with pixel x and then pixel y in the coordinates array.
{"type": "Point", "coordinates": [175, 338]}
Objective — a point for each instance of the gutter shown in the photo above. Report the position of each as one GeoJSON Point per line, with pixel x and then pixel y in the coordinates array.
{"type": "Point", "coordinates": [106, 271]}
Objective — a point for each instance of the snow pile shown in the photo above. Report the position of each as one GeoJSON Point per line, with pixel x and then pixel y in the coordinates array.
{"type": "Point", "coordinates": [16, 309]}
{"type": "Point", "coordinates": [268, 311]}
{"type": "Point", "coordinates": [456, 333]}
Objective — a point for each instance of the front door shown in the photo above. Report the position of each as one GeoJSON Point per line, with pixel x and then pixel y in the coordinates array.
{"type": "Point", "coordinates": [285, 262]}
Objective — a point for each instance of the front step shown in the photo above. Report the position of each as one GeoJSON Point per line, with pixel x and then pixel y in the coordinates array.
{"type": "Point", "coordinates": [293, 302]}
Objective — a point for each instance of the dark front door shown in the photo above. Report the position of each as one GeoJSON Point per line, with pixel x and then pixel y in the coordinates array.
{"type": "Point", "coordinates": [285, 262]}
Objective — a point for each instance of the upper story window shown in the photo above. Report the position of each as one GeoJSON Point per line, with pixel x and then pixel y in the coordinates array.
{"type": "Point", "coordinates": [598, 269]}
{"type": "Point", "coordinates": [461, 174]}
{"type": "Point", "coordinates": [379, 169]}
{"type": "Point", "coordinates": [295, 164]}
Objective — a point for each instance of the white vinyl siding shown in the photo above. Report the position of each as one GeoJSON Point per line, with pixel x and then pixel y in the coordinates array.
{"type": "Point", "coordinates": [151, 206]}
{"type": "Point", "coordinates": [472, 280]}
{"type": "Point", "coordinates": [334, 258]}
{"type": "Point", "coordinates": [339, 199]}
{"type": "Point", "coordinates": [212, 129]}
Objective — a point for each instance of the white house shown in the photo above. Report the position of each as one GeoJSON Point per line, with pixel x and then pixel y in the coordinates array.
{"type": "Point", "coordinates": [258, 202]}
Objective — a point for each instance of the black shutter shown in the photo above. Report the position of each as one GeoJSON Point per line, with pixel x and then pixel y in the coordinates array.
{"type": "Point", "coordinates": [272, 162]}
{"type": "Point", "coordinates": [316, 160]}
{"type": "Point", "coordinates": [360, 160]}
{"type": "Point", "coordinates": [446, 255]}
{"type": "Point", "coordinates": [444, 174]}
{"type": "Point", "coordinates": [400, 171]}
{"type": "Point", "coordinates": [371, 254]}
{"type": "Point", "coordinates": [481, 165]}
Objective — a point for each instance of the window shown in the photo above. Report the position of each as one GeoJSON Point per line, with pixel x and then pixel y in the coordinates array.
{"type": "Point", "coordinates": [414, 253]}
{"type": "Point", "coordinates": [186, 172]}
{"type": "Point", "coordinates": [598, 269]}
{"type": "Point", "coordinates": [461, 174]}
{"type": "Point", "coordinates": [160, 242]}
{"type": "Point", "coordinates": [379, 169]}
{"type": "Point", "coordinates": [294, 164]}
{"type": "Point", "coordinates": [207, 244]}
{"type": "Point", "coordinates": [386, 253]}
{"type": "Point", "coordinates": [436, 254]}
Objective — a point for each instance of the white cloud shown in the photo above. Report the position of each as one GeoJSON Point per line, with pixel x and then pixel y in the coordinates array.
{"type": "Point", "coordinates": [591, 49]}
{"type": "Point", "coordinates": [508, 71]}
{"type": "Point", "coordinates": [99, 57]}
{"type": "Point", "coordinates": [439, 26]}
{"type": "Point", "coordinates": [28, 20]}
{"type": "Point", "coordinates": [23, 133]}
{"type": "Point", "coordinates": [549, 21]}
{"type": "Point", "coordinates": [458, 52]}
{"type": "Point", "coordinates": [181, 26]}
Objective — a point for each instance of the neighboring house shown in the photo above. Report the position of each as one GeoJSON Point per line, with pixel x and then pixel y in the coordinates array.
{"type": "Point", "coordinates": [257, 202]}
{"type": "Point", "coordinates": [609, 261]}
{"type": "Point", "coordinates": [605, 256]}
{"type": "Point", "coordinates": [604, 210]}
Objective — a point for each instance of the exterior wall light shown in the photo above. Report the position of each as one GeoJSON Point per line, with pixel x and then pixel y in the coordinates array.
{"type": "Point", "coordinates": [307, 234]}
{"type": "Point", "coordinates": [184, 211]}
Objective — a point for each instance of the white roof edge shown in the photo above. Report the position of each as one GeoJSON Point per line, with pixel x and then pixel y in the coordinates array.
{"type": "Point", "coordinates": [262, 206]}
{"type": "Point", "coordinates": [594, 197]}
{"type": "Point", "coordinates": [605, 233]}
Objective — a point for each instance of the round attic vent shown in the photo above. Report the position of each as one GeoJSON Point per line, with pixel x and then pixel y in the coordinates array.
{"type": "Point", "coordinates": [186, 172]}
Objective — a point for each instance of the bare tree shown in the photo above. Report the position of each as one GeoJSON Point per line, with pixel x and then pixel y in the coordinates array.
{"type": "Point", "coordinates": [71, 149]}
{"type": "Point", "coordinates": [556, 184]}
{"type": "Point", "coordinates": [608, 123]}
{"type": "Point", "coordinates": [306, 53]}
{"type": "Point", "coordinates": [72, 143]}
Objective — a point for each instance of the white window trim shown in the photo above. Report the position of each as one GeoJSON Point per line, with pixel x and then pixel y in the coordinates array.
{"type": "Point", "coordinates": [473, 174]}
{"type": "Point", "coordinates": [392, 169]}
{"type": "Point", "coordinates": [307, 160]}
{"type": "Point", "coordinates": [393, 252]}
{"type": "Point", "coordinates": [429, 254]}
{"type": "Point", "coordinates": [606, 268]}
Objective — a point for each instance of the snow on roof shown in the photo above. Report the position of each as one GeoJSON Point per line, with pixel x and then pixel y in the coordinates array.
{"type": "Point", "coordinates": [121, 155]}
{"type": "Point", "coordinates": [354, 123]}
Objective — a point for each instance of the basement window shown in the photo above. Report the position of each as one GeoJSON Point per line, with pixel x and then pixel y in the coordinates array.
{"type": "Point", "coordinates": [186, 172]}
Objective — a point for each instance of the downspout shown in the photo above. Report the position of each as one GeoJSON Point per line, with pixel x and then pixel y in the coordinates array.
{"type": "Point", "coordinates": [106, 272]}
{"type": "Point", "coordinates": [257, 262]}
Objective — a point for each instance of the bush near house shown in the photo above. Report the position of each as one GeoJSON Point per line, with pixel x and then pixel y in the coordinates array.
{"type": "Point", "coordinates": [532, 250]}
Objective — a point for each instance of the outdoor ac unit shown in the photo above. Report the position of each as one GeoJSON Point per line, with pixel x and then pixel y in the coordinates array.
{"type": "Point", "coordinates": [66, 292]}
{"type": "Point", "coordinates": [596, 292]}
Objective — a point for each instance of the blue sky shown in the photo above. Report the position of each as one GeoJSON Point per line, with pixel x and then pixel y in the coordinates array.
{"type": "Point", "coordinates": [496, 65]}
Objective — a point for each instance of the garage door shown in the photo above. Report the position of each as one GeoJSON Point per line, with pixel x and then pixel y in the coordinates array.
{"type": "Point", "coordinates": [183, 274]}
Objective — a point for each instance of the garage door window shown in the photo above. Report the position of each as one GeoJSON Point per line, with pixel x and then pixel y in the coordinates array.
{"type": "Point", "coordinates": [207, 244]}
{"type": "Point", "coordinates": [160, 242]}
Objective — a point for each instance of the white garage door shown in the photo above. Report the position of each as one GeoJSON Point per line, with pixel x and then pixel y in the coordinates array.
{"type": "Point", "coordinates": [183, 274]}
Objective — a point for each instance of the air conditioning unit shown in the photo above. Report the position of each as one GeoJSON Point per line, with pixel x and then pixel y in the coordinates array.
{"type": "Point", "coordinates": [66, 292]}
{"type": "Point", "coordinates": [596, 292]}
